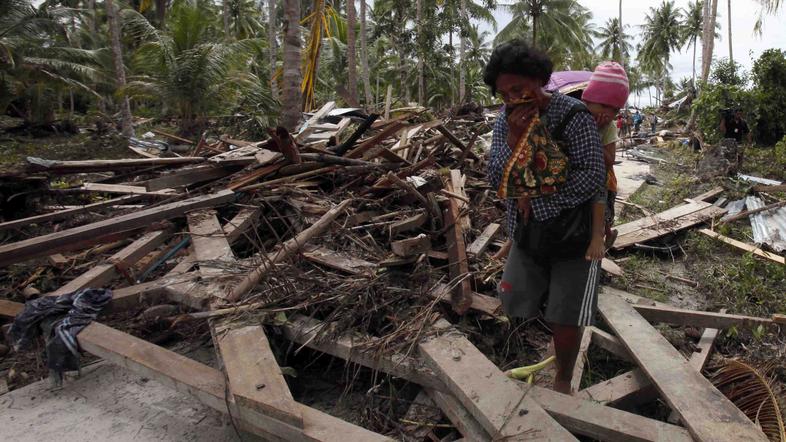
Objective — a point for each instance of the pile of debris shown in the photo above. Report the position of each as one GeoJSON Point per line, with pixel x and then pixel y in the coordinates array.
{"type": "Point", "coordinates": [366, 247]}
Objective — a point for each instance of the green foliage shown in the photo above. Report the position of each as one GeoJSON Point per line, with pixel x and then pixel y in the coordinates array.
{"type": "Point", "coordinates": [769, 78]}
{"type": "Point", "coordinates": [714, 98]}
{"type": "Point", "coordinates": [729, 73]}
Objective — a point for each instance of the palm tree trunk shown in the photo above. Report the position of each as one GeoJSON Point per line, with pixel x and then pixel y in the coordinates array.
{"type": "Point", "coordinates": [352, 68]}
{"type": "Point", "coordinates": [161, 13]}
{"type": "Point", "coordinates": [693, 80]}
{"type": "Point", "coordinates": [421, 75]}
{"type": "Point", "coordinates": [731, 53]}
{"type": "Point", "coordinates": [364, 56]}
{"type": "Point", "coordinates": [291, 96]}
{"type": "Point", "coordinates": [272, 45]}
{"type": "Point", "coordinates": [452, 68]}
{"type": "Point", "coordinates": [534, 30]}
{"type": "Point", "coordinates": [620, 38]}
{"type": "Point", "coordinates": [462, 52]}
{"type": "Point", "coordinates": [120, 73]}
{"type": "Point", "coordinates": [708, 41]}
{"type": "Point", "coordinates": [225, 13]}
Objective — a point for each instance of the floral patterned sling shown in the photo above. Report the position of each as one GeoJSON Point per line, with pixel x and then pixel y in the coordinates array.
{"type": "Point", "coordinates": [536, 166]}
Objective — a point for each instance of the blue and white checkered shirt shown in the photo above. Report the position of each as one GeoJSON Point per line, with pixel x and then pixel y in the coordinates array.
{"type": "Point", "coordinates": [586, 170]}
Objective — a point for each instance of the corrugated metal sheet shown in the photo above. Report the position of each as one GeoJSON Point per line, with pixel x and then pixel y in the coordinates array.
{"type": "Point", "coordinates": [734, 208]}
{"type": "Point", "coordinates": [768, 227]}
{"type": "Point", "coordinates": [757, 180]}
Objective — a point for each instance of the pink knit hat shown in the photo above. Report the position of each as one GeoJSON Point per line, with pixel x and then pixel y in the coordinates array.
{"type": "Point", "coordinates": [608, 85]}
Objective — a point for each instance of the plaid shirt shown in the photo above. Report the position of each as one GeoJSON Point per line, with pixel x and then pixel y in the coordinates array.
{"type": "Point", "coordinates": [586, 170]}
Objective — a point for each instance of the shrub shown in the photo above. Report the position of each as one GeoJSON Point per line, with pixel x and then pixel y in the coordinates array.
{"type": "Point", "coordinates": [769, 91]}
{"type": "Point", "coordinates": [714, 98]}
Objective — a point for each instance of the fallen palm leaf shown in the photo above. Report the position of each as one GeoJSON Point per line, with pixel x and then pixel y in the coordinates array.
{"type": "Point", "coordinates": [752, 391]}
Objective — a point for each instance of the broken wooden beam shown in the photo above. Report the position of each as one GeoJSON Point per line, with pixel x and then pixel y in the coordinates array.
{"type": "Point", "coordinates": [408, 224]}
{"type": "Point", "coordinates": [211, 247]}
{"type": "Point", "coordinates": [581, 359]}
{"type": "Point", "coordinates": [187, 177]}
{"type": "Point", "coordinates": [456, 186]}
{"type": "Point", "coordinates": [66, 167]}
{"type": "Point", "coordinates": [103, 274]}
{"type": "Point", "coordinates": [480, 302]}
{"type": "Point", "coordinates": [707, 414]}
{"type": "Point", "coordinates": [365, 146]}
{"type": "Point", "coordinates": [745, 246]}
{"type": "Point", "coordinates": [412, 191]}
{"type": "Point", "coordinates": [501, 406]}
{"type": "Point", "coordinates": [288, 249]}
{"type": "Point", "coordinates": [68, 213]}
{"type": "Point", "coordinates": [458, 264]}
{"type": "Point", "coordinates": [125, 189]}
{"type": "Point", "coordinates": [459, 416]}
{"type": "Point", "coordinates": [411, 246]}
{"type": "Point", "coordinates": [482, 242]}
{"type": "Point", "coordinates": [334, 260]}
{"type": "Point", "coordinates": [53, 242]}
{"type": "Point", "coordinates": [669, 221]}
{"type": "Point", "coordinates": [235, 228]}
{"type": "Point", "coordinates": [255, 379]}
{"type": "Point", "coordinates": [746, 213]}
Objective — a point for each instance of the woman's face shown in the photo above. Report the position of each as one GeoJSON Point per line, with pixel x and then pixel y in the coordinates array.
{"type": "Point", "coordinates": [516, 90]}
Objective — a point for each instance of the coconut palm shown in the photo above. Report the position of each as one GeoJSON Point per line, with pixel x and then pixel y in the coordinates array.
{"type": "Point", "coordinates": [615, 43]}
{"type": "Point", "coordinates": [188, 68]}
{"type": "Point", "coordinates": [662, 33]}
{"type": "Point", "coordinates": [120, 70]}
{"type": "Point", "coordinates": [364, 55]}
{"type": "Point", "coordinates": [245, 19]}
{"type": "Point", "coordinates": [290, 90]}
{"type": "Point", "coordinates": [692, 28]}
{"type": "Point", "coordinates": [770, 7]}
{"type": "Point", "coordinates": [352, 69]}
{"type": "Point", "coordinates": [36, 62]}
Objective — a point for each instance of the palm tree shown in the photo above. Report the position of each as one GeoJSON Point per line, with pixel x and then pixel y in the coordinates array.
{"type": "Point", "coordinates": [731, 53]}
{"type": "Point", "coordinates": [692, 29]}
{"type": "Point", "coordinates": [120, 72]}
{"type": "Point", "coordinates": [291, 95]}
{"type": "Point", "coordinates": [244, 19]}
{"type": "Point", "coordinates": [767, 7]}
{"type": "Point", "coordinates": [540, 18]}
{"type": "Point", "coordinates": [614, 42]}
{"type": "Point", "coordinates": [188, 68]}
{"type": "Point", "coordinates": [662, 33]}
{"type": "Point", "coordinates": [352, 71]}
{"type": "Point", "coordinates": [272, 44]}
{"type": "Point", "coordinates": [708, 37]}
{"type": "Point", "coordinates": [364, 55]}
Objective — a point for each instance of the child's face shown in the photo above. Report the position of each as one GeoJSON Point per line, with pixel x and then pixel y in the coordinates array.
{"type": "Point", "coordinates": [601, 113]}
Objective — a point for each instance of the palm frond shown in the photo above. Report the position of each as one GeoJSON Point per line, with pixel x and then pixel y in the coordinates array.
{"type": "Point", "coordinates": [752, 391]}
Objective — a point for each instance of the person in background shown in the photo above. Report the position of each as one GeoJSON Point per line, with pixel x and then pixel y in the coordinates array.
{"type": "Point", "coordinates": [734, 126]}
{"type": "Point", "coordinates": [654, 123]}
{"type": "Point", "coordinates": [637, 120]}
{"type": "Point", "coordinates": [604, 96]}
{"type": "Point", "coordinates": [620, 123]}
{"type": "Point", "coordinates": [542, 265]}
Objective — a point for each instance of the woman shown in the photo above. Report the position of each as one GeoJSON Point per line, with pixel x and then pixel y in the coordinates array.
{"type": "Point", "coordinates": [546, 262]}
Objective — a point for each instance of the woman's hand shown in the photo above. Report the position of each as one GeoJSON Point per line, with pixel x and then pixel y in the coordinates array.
{"type": "Point", "coordinates": [518, 121]}
{"type": "Point", "coordinates": [596, 250]}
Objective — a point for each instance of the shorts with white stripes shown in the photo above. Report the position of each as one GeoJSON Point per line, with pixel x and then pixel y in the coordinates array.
{"type": "Point", "coordinates": [567, 287]}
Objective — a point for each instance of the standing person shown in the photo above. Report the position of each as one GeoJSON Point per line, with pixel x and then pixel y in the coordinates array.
{"type": "Point", "coordinates": [637, 120]}
{"type": "Point", "coordinates": [551, 233]}
{"type": "Point", "coordinates": [734, 126]}
{"type": "Point", "coordinates": [654, 123]}
{"type": "Point", "coordinates": [605, 94]}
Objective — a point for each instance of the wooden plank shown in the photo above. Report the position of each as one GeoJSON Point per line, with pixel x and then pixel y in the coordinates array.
{"type": "Point", "coordinates": [53, 242]}
{"type": "Point", "coordinates": [10, 309]}
{"type": "Point", "coordinates": [365, 146]}
{"type": "Point", "coordinates": [630, 387]}
{"type": "Point", "coordinates": [766, 188]}
{"type": "Point", "coordinates": [501, 406]}
{"type": "Point", "coordinates": [186, 177]}
{"type": "Point", "coordinates": [458, 265]}
{"type": "Point", "coordinates": [482, 303]}
{"type": "Point", "coordinates": [64, 167]}
{"type": "Point", "coordinates": [666, 216]}
{"type": "Point", "coordinates": [577, 415]}
{"type": "Point", "coordinates": [581, 359]}
{"type": "Point", "coordinates": [482, 242]}
{"type": "Point", "coordinates": [67, 213]}
{"type": "Point", "coordinates": [207, 385]}
{"type": "Point", "coordinates": [334, 260]}
{"type": "Point", "coordinates": [459, 416]}
{"type": "Point", "coordinates": [707, 196]}
{"type": "Point", "coordinates": [610, 343]}
{"type": "Point", "coordinates": [121, 188]}
{"type": "Point", "coordinates": [307, 128]}
{"type": "Point", "coordinates": [103, 274]}
{"type": "Point", "coordinates": [657, 230]}
{"type": "Point", "coordinates": [411, 246]}
{"type": "Point", "coordinates": [255, 379]}
{"type": "Point", "coordinates": [695, 318]}
{"type": "Point", "coordinates": [611, 267]}
{"type": "Point", "coordinates": [212, 251]}
{"type": "Point", "coordinates": [744, 246]}
{"type": "Point", "coordinates": [235, 228]}
{"type": "Point", "coordinates": [456, 186]}
{"type": "Point", "coordinates": [708, 415]}
{"type": "Point", "coordinates": [408, 224]}
{"type": "Point", "coordinates": [57, 260]}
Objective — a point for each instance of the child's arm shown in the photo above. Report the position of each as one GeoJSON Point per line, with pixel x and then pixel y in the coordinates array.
{"type": "Point", "coordinates": [609, 155]}
{"type": "Point", "coordinates": [596, 249]}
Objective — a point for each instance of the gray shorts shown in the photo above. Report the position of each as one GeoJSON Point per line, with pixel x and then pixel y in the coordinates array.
{"type": "Point", "coordinates": [568, 287]}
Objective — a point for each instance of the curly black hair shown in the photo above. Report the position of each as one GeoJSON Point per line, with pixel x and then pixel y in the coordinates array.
{"type": "Point", "coordinates": [519, 58]}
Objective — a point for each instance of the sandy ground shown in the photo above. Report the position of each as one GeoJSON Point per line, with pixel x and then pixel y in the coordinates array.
{"type": "Point", "coordinates": [109, 403]}
{"type": "Point", "coordinates": [630, 175]}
